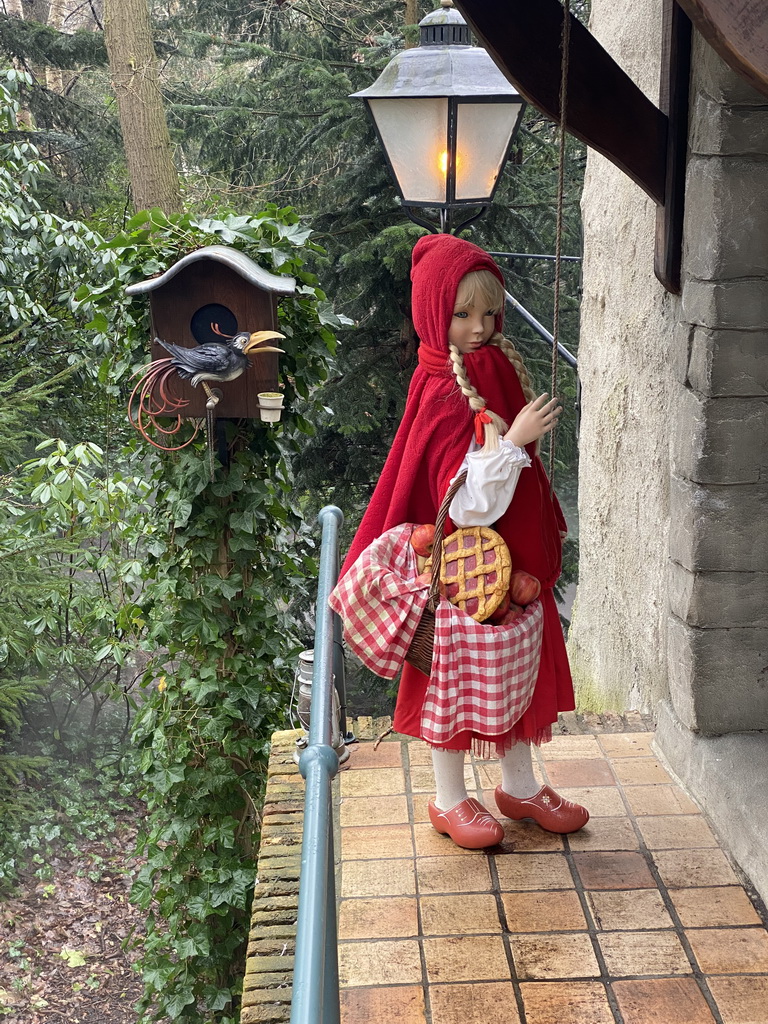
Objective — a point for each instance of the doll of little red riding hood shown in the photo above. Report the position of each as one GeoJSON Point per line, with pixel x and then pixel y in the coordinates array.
{"type": "Point", "coordinates": [471, 406]}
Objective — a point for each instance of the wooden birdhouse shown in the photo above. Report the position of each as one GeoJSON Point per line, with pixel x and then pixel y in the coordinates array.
{"type": "Point", "coordinates": [212, 295]}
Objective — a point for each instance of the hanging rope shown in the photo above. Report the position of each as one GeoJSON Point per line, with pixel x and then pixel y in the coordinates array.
{"type": "Point", "coordinates": [565, 41]}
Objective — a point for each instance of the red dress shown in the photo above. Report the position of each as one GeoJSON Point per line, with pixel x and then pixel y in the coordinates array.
{"type": "Point", "coordinates": [429, 446]}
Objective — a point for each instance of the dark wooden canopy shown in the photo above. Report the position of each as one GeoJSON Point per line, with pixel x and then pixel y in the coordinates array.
{"type": "Point", "coordinates": [738, 31]}
{"type": "Point", "coordinates": [605, 109]}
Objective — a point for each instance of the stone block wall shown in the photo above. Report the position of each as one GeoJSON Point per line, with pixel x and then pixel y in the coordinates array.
{"type": "Point", "coordinates": [618, 637]}
{"type": "Point", "coordinates": [718, 543]}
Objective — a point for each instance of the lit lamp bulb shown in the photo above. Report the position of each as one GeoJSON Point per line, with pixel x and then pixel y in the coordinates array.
{"type": "Point", "coordinates": [442, 163]}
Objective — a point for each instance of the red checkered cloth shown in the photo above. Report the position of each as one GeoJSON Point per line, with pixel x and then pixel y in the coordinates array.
{"type": "Point", "coordinates": [482, 677]}
{"type": "Point", "coordinates": [381, 603]}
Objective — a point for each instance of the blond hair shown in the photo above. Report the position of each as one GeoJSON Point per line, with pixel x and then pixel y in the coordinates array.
{"type": "Point", "coordinates": [482, 289]}
{"type": "Point", "coordinates": [477, 403]}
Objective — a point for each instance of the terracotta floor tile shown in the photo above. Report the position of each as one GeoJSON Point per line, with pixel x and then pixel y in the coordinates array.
{"type": "Point", "coordinates": [676, 832]}
{"type": "Point", "coordinates": [570, 747]}
{"type": "Point", "coordinates": [605, 834]}
{"type": "Point", "coordinates": [659, 800]}
{"type": "Point", "coordinates": [422, 778]}
{"type": "Point", "coordinates": [584, 771]}
{"type": "Point", "coordinates": [613, 870]}
{"type": "Point", "coordinates": [640, 771]}
{"type": "Point", "coordinates": [489, 774]}
{"type": "Point", "coordinates": [399, 1005]}
{"type": "Point", "coordinates": [550, 957]}
{"type": "Point", "coordinates": [741, 1000]}
{"type": "Point", "coordinates": [662, 1001]}
{"type": "Point", "coordinates": [373, 810]}
{"type": "Point", "coordinates": [420, 801]}
{"type": "Point", "coordinates": [629, 910]}
{"type": "Point", "coordinates": [476, 1003]}
{"type": "Point", "coordinates": [466, 958]}
{"type": "Point", "coordinates": [419, 753]}
{"type": "Point", "coordinates": [730, 950]}
{"type": "Point", "coordinates": [453, 874]}
{"type": "Point", "coordinates": [430, 843]}
{"type": "Point", "coordinates": [534, 871]}
{"type": "Point", "coordinates": [372, 782]}
{"type": "Point", "coordinates": [387, 755]}
{"type": "Point", "coordinates": [526, 837]}
{"type": "Point", "coordinates": [468, 914]}
{"type": "Point", "coordinates": [378, 878]}
{"type": "Point", "coordinates": [522, 837]}
{"type": "Point", "coordinates": [714, 907]}
{"type": "Point", "coordinates": [684, 869]}
{"type": "Point", "coordinates": [600, 801]}
{"type": "Point", "coordinates": [626, 744]}
{"type": "Point", "coordinates": [390, 917]}
{"type": "Point", "coordinates": [544, 911]}
{"type": "Point", "coordinates": [379, 963]}
{"type": "Point", "coordinates": [633, 953]}
{"type": "Point", "coordinates": [572, 1002]}
{"type": "Point", "coordinates": [380, 842]}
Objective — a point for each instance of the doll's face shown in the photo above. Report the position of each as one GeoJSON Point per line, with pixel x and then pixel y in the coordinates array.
{"type": "Point", "coordinates": [471, 327]}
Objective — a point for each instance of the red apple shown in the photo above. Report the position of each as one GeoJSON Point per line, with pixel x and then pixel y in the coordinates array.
{"type": "Point", "coordinates": [424, 578]}
{"type": "Point", "coordinates": [501, 610]}
{"type": "Point", "coordinates": [523, 588]}
{"type": "Point", "coordinates": [513, 612]}
{"type": "Point", "coordinates": [422, 539]}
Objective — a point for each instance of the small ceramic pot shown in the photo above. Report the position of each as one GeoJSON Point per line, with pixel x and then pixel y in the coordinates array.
{"type": "Point", "coordinates": [270, 406]}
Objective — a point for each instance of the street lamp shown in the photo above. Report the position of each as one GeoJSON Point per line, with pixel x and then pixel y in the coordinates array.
{"type": "Point", "coordinates": [445, 116]}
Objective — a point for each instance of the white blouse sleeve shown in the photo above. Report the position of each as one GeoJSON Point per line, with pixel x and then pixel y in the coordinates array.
{"type": "Point", "coordinates": [491, 481]}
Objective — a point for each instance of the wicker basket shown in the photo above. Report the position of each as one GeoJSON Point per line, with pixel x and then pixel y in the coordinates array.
{"type": "Point", "coordinates": [420, 652]}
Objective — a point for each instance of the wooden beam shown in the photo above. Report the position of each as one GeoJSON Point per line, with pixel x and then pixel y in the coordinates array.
{"type": "Point", "coordinates": [605, 108]}
{"type": "Point", "coordinates": [738, 31]}
{"type": "Point", "coordinates": [673, 100]}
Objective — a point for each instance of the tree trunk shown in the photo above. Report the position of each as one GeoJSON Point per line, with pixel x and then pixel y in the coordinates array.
{"type": "Point", "coordinates": [411, 17]}
{"type": "Point", "coordinates": [54, 77]}
{"type": "Point", "coordinates": [128, 38]}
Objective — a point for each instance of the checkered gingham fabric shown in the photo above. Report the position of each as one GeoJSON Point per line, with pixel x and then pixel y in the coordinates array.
{"type": "Point", "coordinates": [482, 677]}
{"type": "Point", "coordinates": [380, 602]}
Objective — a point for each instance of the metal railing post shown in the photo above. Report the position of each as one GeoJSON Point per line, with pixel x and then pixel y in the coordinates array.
{"type": "Point", "coordinates": [315, 997]}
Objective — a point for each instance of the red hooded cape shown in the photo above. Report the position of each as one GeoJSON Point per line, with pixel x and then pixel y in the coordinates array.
{"type": "Point", "coordinates": [437, 424]}
{"type": "Point", "coordinates": [430, 445]}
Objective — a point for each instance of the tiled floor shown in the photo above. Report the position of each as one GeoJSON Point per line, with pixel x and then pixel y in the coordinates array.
{"type": "Point", "coordinates": [638, 919]}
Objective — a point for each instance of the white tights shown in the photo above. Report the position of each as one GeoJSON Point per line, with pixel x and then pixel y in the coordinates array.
{"type": "Point", "coordinates": [517, 776]}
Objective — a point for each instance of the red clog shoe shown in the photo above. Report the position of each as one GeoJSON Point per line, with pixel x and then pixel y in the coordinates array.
{"type": "Point", "coordinates": [548, 809]}
{"type": "Point", "coordinates": [469, 824]}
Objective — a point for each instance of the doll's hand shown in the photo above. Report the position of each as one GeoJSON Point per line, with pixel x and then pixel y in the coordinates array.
{"type": "Point", "coordinates": [534, 421]}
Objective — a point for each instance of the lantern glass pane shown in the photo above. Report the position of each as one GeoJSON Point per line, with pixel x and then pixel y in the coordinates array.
{"type": "Point", "coordinates": [483, 134]}
{"type": "Point", "coordinates": [415, 135]}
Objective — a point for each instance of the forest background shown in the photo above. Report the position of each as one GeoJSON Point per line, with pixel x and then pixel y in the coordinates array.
{"type": "Point", "coordinates": [143, 666]}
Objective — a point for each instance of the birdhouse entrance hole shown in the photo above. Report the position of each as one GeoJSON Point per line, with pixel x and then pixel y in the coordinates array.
{"type": "Point", "coordinates": [212, 321]}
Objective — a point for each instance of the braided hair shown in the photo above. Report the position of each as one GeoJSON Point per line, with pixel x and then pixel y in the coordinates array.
{"type": "Point", "coordinates": [480, 287]}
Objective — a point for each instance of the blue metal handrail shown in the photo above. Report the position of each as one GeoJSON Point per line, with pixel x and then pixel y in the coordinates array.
{"type": "Point", "coordinates": [315, 998]}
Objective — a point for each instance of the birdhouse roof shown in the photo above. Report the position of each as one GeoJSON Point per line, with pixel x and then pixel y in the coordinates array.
{"type": "Point", "coordinates": [251, 272]}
